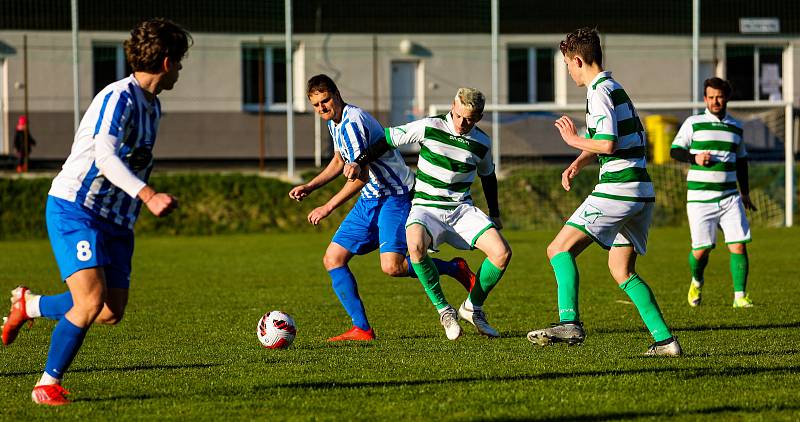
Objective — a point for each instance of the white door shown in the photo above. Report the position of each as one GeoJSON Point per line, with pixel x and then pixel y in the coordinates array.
{"type": "Point", "coordinates": [404, 88]}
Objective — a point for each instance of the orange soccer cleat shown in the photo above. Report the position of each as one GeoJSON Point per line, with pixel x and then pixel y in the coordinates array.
{"type": "Point", "coordinates": [17, 317]}
{"type": "Point", "coordinates": [50, 395]}
{"type": "Point", "coordinates": [355, 334]}
{"type": "Point", "coordinates": [465, 276]}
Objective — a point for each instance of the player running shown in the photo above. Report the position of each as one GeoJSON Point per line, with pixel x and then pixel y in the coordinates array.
{"type": "Point", "coordinates": [712, 143]}
{"type": "Point", "coordinates": [618, 212]}
{"type": "Point", "coordinates": [452, 151]}
{"type": "Point", "coordinates": [376, 220]}
{"type": "Point", "coordinates": [94, 201]}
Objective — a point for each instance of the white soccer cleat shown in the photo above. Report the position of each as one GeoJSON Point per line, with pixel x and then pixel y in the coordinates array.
{"type": "Point", "coordinates": [477, 318]}
{"type": "Point", "coordinates": [449, 320]}
{"type": "Point", "coordinates": [669, 348]}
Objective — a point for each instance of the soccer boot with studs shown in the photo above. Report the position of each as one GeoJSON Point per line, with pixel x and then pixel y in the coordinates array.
{"type": "Point", "coordinates": [355, 334]}
{"type": "Point", "coordinates": [465, 276]}
{"type": "Point", "coordinates": [17, 317]}
{"type": "Point", "coordinates": [449, 320]}
{"type": "Point", "coordinates": [50, 395]}
{"type": "Point", "coordinates": [695, 295]}
{"type": "Point", "coordinates": [669, 347]}
{"type": "Point", "coordinates": [742, 302]}
{"type": "Point", "coordinates": [563, 332]}
{"type": "Point", "coordinates": [477, 318]}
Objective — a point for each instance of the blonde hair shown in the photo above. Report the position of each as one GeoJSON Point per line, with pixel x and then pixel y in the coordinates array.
{"type": "Point", "coordinates": [471, 98]}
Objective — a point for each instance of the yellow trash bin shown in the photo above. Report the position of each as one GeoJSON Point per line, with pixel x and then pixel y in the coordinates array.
{"type": "Point", "coordinates": [661, 131]}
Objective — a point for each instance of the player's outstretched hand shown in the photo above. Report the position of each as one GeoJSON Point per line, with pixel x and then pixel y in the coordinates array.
{"type": "Point", "coordinates": [351, 171]}
{"type": "Point", "coordinates": [318, 214]}
{"type": "Point", "coordinates": [567, 176]}
{"type": "Point", "coordinates": [298, 193]}
{"type": "Point", "coordinates": [566, 127]}
{"type": "Point", "coordinates": [161, 204]}
{"type": "Point", "coordinates": [748, 204]}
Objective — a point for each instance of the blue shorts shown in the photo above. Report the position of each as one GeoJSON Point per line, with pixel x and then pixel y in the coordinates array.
{"type": "Point", "coordinates": [81, 239]}
{"type": "Point", "coordinates": [378, 223]}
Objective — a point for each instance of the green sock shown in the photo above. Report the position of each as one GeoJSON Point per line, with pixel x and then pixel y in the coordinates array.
{"type": "Point", "coordinates": [567, 278]}
{"type": "Point", "coordinates": [645, 302]}
{"type": "Point", "coordinates": [698, 266]}
{"type": "Point", "coordinates": [488, 277]}
{"type": "Point", "coordinates": [429, 277]}
{"type": "Point", "coordinates": [739, 269]}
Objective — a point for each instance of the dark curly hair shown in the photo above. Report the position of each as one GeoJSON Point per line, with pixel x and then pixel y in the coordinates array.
{"type": "Point", "coordinates": [583, 42]}
{"type": "Point", "coordinates": [152, 40]}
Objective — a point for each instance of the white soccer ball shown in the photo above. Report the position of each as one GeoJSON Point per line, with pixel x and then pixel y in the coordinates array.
{"type": "Point", "coordinates": [276, 330]}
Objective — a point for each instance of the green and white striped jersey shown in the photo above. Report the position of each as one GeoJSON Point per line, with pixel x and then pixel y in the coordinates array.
{"type": "Point", "coordinates": [723, 139]}
{"type": "Point", "coordinates": [448, 162]}
{"type": "Point", "coordinates": [611, 117]}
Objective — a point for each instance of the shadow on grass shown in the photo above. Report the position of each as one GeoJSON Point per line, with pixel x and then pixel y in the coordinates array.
{"type": "Point", "coordinates": [684, 373]}
{"type": "Point", "coordinates": [118, 369]}
{"type": "Point", "coordinates": [696, 328]}
{"type": "Point", "coordinates": [659, 415]}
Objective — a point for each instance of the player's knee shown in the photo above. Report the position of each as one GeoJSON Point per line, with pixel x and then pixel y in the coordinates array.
{"type": "Point", "coordinates": [416, 251]}
{"type": "Point", "coordinates": [394, 269]}
{"type": "Point", "coordinates": [502, 257]}
{"type": "Point", "coordinates": [331, 262]}
{"type": "Point", "coordinates": [87, 309]}
{"type": "Point", "coordinates": [554, 249]}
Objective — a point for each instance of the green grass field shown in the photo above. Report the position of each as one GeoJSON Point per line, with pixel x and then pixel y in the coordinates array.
{"type": "Point", "coordinates": [187, 348]}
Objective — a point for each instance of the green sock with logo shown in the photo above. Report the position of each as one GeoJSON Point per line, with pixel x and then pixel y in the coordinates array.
{"type": "Point", "coordinates": [645, 302]}
{"type": "Point", "coordinates": [567, 278]}
{"type": "Point", "coordinates": [429, 277]}
{"type": "Point", "coordinates": [698, 266]}
{"type": "Point", "coordinates": [739, 269]}
{"type": "Point", "coordinates": [488, 277]}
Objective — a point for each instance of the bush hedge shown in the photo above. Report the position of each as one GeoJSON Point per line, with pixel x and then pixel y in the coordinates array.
{"type": "Point", "coordinates": [530, 198]}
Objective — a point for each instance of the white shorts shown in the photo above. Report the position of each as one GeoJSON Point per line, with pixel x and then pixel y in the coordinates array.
{"type": "Point", "coordinates": [611, 222]}
{"type": "Point", "coordinates": [728, 214]}
{"type": "Point", "coordinates": [460, 227]}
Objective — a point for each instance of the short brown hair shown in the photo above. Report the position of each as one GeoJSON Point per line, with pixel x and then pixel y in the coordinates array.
{"type": "Point", "coordinates": [321, 83]}
{"type": "Point", "coordinates": [152, 40]}
{"type": "Point", "coordinates": [583, 42]}
{"type": "Point", "coordinates": [717, 83]}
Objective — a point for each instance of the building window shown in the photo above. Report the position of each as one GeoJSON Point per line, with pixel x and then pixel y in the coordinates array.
{"type": "Point", "coordinates": [264, 67]}
{"type": "Point", "coordinates": [530, 75]}
{"type": "Point", "coordinates": [755, 72]}
{"type": "Point", "coordinates": [108, 64]}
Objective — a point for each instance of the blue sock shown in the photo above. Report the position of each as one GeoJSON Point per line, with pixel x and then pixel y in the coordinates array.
{"type": "Point", "coordinates": [344, 284]}
{"type": "Point", "coordinates": [444, 267]}
{"type": "Point", "coordinates": [64, 345]}
{"type": "Point", "coordinates": [54, 307]}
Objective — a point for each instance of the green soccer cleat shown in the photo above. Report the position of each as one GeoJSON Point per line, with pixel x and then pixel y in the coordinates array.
{"type": "Point", "coordinates": [743, 302]}
{"type": "Point", "coordinates": [695, 294]}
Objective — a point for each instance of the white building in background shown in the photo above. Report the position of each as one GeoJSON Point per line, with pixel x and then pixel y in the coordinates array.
{"type": "Point", "coordinates": [212, 114]}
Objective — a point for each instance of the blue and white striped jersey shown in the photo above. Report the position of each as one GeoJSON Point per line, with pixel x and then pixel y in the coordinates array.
{"type": "Point", "coordinates": [388, 175]}
{"type": "Point", "coordinates": [122, 114]}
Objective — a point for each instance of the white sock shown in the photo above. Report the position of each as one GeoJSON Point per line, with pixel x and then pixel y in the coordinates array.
{"type": "Point", "coordinates": [697, 283]}
{"type": "Point", "coordinates": [738, 295]}
{"type": "Point", "coordinates": [32, 306]}
{"type": "Point", "coordinates": [46, 379]}
{"type": "Point", "coordinates": [470, 307]}
{"type": "Point", "coordinates": [443, 310]}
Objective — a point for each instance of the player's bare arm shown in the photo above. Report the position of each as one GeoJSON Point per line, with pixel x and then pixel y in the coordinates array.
{"type": "Point", "coordinates": [331, 171]}
{"type": "Point", "coordinates": [350, 189]}
{"type": "Point", "coordinates": [569, 133]}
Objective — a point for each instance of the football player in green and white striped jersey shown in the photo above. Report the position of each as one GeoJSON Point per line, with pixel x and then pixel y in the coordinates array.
{"type": "Point", "coordinates": [712, 143]}
{"type": "Point", "coordinates": [618, 212]}
{"type": "Point", "coordinates": [452, 152]}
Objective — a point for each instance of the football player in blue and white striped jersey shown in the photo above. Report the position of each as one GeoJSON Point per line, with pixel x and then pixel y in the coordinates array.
{"type": "Point", "coordinates": [95, 199]}
{"type": "Point", "coordinates": [377, 220]}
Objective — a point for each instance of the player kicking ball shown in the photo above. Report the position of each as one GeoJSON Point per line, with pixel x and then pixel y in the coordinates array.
{"type": "Point", "coordinates": [378, 217]}
{"type": "Point", "coordinates": [94, 201]}
{"type": "Point", "coordinates": [712, 142]}
{"type": "Point", "coordinates": [618, 212]}
{"type": "Point", "coordinates": [452, 151]}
